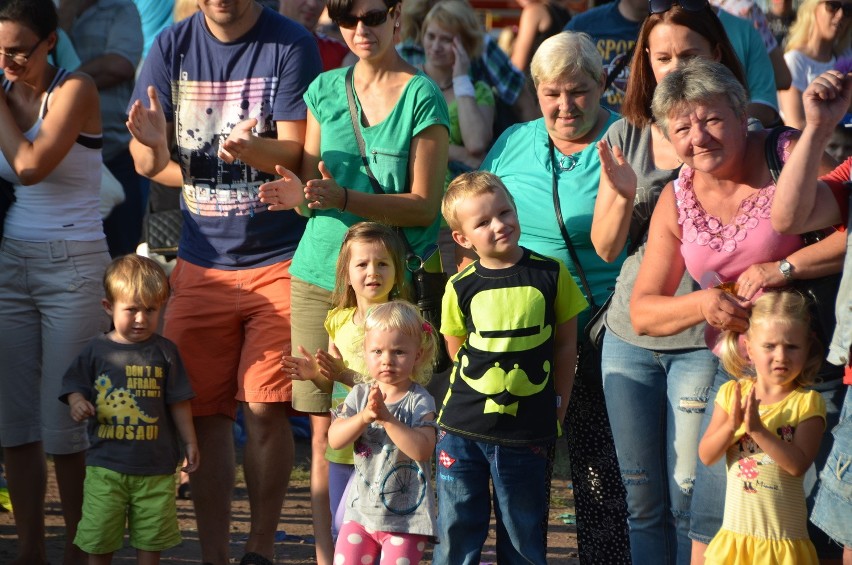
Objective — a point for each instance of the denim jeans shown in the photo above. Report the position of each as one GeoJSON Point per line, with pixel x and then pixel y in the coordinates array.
{"type": "Point", "coordinates": [655, 401]}
{"type": "Point", "coordinates": [833, 504]}
{"type": "Point", "coordinates": [708, 504]}
{"type": "Point", "coordinates": [464, 470]}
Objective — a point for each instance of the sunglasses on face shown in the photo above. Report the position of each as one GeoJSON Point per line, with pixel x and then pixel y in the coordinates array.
{"type": "Point", "coordinates": [833, 5]}
{"type": "Point", "coordinates": [661, 6]}
{"type": "Point", "coordinates": [372, 18]}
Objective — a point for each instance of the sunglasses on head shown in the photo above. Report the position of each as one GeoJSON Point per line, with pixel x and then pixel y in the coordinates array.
{"type": "Point", "coordinates": [833, 5]}
{"type": "Point", "coordinates": [660, 6]}
{"type": "Point", "coordinates": [372, 18]}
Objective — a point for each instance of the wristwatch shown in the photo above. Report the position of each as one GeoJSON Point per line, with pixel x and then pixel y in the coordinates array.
{"type": "Point", "coordinates": [786, 269]}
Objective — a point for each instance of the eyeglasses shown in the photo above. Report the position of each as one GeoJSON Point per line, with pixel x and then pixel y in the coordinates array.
{"type": "Point", "coordinates": [833, 5]}
{"type": "Point", "coordinates": [372, 18]}
{"type": "Point", "coordinates": [661, 6]}
{"type": "Point", "coordinates": [21, 59]}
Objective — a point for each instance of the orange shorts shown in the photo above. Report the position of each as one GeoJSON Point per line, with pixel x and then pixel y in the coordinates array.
{"type": "Point", "coordinates": [231, 328]}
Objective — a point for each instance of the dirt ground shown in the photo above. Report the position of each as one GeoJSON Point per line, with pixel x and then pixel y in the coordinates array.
{"type": "Point", "coordinates": [295, 545]}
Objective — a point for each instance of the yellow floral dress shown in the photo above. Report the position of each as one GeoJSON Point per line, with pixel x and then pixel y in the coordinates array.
{"type": "Point", "coordinates": [765, 514]}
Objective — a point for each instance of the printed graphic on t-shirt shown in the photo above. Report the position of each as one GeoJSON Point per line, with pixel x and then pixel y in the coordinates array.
{"type": "Point", "coordinates": [212, 186]}
{"type": "Point", "coordinates": [118, 409]}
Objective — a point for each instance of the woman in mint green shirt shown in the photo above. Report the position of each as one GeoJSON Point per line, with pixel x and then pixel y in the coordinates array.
{"type": "Point", "coordinates": [404, 123]}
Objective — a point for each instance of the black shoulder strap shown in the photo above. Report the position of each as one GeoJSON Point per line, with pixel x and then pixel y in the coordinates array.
{"type": "Point", "coordinates": [571, 251]}
{"type": "Point", "coordinates": [616, 70]}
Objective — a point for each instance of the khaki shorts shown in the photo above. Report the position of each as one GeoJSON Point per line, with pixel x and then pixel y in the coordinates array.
{"type": "Point", "coordinates": [231, 328]}
{"type": "Point", "coordinates": [310, 309]}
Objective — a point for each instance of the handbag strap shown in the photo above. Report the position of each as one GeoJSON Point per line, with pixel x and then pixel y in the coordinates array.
{"type": "Point", "coordinates": [359, 139]}
{"type": "Point", "coordinates": [616, 70]}
{"type": "Point", "coordinates": [558, 208]}
{"type": "Point", "coordinates": [770, 149]}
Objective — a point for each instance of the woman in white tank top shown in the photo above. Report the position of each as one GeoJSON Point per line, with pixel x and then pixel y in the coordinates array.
{"type": "Point", "coordinates": [52, 258]}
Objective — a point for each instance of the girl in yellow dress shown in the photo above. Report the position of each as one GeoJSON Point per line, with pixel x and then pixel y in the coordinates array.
{"type": "Point", "coordinates": [769, 429]}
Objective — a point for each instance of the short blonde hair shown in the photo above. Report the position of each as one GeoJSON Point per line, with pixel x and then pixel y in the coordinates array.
{"type": "Point", "coordinates": [789, 307]}
{"type": "Point", "coordinates": [403, 316]}
{"type": "Point", "coordinates": [457, 17]}
{"type": "Point", "coordinates": [468, 185]}
{"type": "Point", "coordinates": [564, 55]}
{"type": "Point", "coordinates": [133, 277]}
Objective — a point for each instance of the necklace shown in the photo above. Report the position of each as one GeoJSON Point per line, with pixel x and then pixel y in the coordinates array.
{"type": "Point", "coordinates": [568, 162]}
{"type": "Point", "coordinates": [447, 86]}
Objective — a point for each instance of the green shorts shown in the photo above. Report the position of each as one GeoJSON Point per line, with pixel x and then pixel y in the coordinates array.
{"type": "Point", "coordinates": [309, 306]}
{"type": "Point", "coordinates": [146, 503]}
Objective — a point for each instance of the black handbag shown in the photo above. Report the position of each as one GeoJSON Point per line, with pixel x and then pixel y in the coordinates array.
{"type": "Point", "coordinates": [821, 291]}
{"type": "Point", "coordinates": [427, 273]}
{"type": "Point", "coordinates": [163, 231]}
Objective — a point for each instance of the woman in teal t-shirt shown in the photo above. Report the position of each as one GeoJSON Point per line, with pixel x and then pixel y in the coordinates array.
{"type": "Point", "coordinates": [404, 124]}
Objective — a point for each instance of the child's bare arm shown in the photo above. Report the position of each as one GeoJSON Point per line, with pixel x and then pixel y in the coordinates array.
{"type": "Point", "coordinates": [344, 431]}
{"type": "Point", "coordinates": [418, 443]}
{"type": "Point", "coordinates": [565, 364]}
{"type": "Point", "coordinates": [794, 457]}
{"type": "Point", "coordinates": [182, 415]}
{"type": "Point", "coordinates": [80, 407]}
{"type": "Point", "coordinates": [454, 343]}
{"type": "Point", "coordinates": [720, 432]}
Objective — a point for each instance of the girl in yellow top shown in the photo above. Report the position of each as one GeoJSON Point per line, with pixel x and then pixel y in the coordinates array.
{"type": "Point", "coordinates": [369, 272]}
{"type": "Point", "coordinates": [769, 428]}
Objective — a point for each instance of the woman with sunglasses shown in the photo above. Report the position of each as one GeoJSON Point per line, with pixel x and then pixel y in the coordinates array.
{"type": "Point", "coordinates": [712, 221]}
{"type": "Point", "coordinates": [818, 41]}
{"type": "Point", "coordinates": [52, 260]}
{"type": "Point", "coordinates": [655, 387]}
{"type": "Point", "coordinates": [402, 118]}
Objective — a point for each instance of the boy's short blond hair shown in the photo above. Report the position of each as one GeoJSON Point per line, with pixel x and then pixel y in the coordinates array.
{"type": "Point", "coordinates": [468, 185]}
{"type": "Point", "coordinates": [133, 277]}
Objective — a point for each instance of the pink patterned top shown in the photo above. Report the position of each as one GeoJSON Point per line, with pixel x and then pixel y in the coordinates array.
{"type": "Point", "coordinates": [710, 247]}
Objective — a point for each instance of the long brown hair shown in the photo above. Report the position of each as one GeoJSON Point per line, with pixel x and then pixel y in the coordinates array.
{"type": "Point", "coordinates": [641, 84]}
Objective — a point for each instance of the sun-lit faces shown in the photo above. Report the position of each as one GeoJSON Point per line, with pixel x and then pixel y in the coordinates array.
{"type": "Point", "coordinates": [706, 135]}
{"type": "Point", "coordinates": [371, 271]}
{"type": "Point", "coordinates": [570, 106]}
{"type": "Point", "coordinates": [391, 356]}
{"type": "Point", "coordinates": [438, 45]}
{"type": "Point", "coordinates": [671, 46]}
{"type": "Point", "coordinates": [778, 349]}
{"type": "Point", "coordinates": [133, 321]}
{"type": "Point", "coordinates": [489, 226]}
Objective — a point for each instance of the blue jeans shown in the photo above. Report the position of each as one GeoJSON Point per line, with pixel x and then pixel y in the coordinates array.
{"type": "Point", "coordinates": [655, 401]}
{"type": "Point", "coordinates": [833, 504]}
{"type": "Point", "coordinates": [708, 504]}
{"type": "Point", "coordinates": [518, 474]}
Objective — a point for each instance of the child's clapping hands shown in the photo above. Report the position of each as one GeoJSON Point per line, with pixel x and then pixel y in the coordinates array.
{"type": "Point", "coordinates": [376, 409]}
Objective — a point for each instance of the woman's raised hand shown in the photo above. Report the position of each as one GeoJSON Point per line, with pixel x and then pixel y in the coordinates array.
{"type": "Point", "coordinates": [285, 193]}
{"type": "Point", "coordinates": [616, 172]}
{"type": "Point", "coordinates": [461, 64]}
{"type": "Point", "coordinates": [325, 193]}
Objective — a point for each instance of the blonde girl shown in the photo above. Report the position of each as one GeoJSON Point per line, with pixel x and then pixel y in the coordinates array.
{"type": "Point", "coordinates": [818, 41]}
{"type": "Point", "coordinates": [769, 429]}
{"type": "Point", "coordinates": [369, 272]}
{"type": "Point", "coordinates": [390, 508]}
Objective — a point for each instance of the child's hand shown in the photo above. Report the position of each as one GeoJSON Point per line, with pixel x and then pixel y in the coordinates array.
{"type": "Point", "coordinates": [752, 414]}
{"type": "Point", "coordinates": [81, 409]}
{"type": "Point", "coordinates": [331, 365]}
{"type": "Point", "coordinates": [193, 458]}
{"type": "Point", "coordinates": [376, 403]}
{"type": "Point", "coordinates": [302, 368]}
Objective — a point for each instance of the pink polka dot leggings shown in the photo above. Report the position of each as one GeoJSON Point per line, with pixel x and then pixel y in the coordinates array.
{"type": "Point", "coordinates": [358, 546]}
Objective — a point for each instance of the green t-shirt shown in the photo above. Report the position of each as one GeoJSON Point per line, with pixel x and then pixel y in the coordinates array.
{"type": "Point", "coordinates": [521, 159]}
{"type": "Point", "coordinates": [388, 145]}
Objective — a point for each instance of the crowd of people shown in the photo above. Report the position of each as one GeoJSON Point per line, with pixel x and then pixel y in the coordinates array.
{"type": "Point", "coordinates": [634, 242]}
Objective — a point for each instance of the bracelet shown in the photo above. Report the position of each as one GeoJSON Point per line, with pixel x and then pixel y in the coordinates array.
{"type": "Point", "coordinates": [463, 86]}
{"type": "Point", "coordinates": [345, 199]}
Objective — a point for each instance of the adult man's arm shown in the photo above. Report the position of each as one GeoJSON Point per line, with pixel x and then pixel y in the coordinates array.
{"type": "Point", "coordinates": [264, 153]}
{"type": "Point", "coordinates": [149, 145]}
